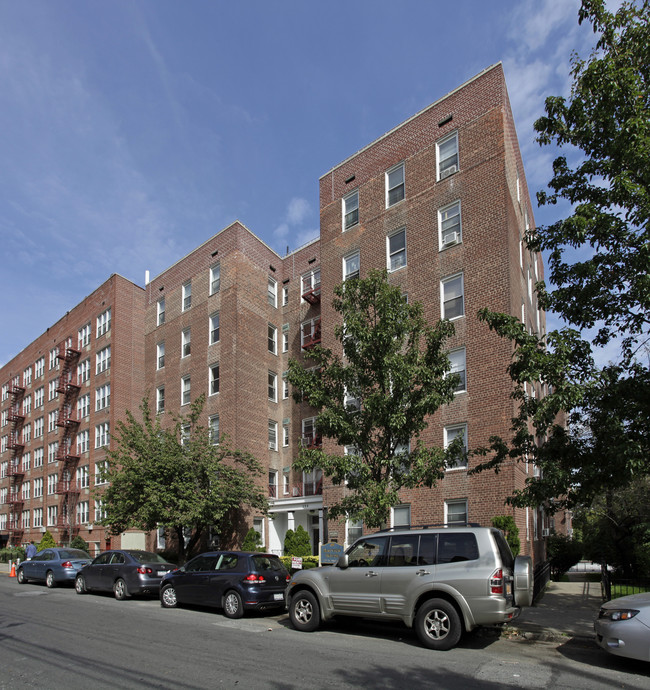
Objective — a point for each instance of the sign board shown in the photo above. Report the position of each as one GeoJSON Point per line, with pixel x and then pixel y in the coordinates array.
{"type": "Point", "coordinates": [296, 562]}
{"type": "Point", "coordinates": [330, 553]}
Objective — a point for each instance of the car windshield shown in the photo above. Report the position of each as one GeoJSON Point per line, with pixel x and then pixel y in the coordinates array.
{"type": "Point", "coordinates": [146, 557]}
{"type": "Point", "coordinates": [73, 553]}
{"type": "Point", "coordinates": [268, 563]}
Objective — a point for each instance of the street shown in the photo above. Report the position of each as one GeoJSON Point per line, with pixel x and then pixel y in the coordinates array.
{"type": "Point", "coordinates": [54, 638]}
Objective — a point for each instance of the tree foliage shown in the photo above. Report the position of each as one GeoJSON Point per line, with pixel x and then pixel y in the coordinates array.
{"type": "Point", "coordinates": [506, 523]}
{"type": "Point", "coordinates": [373, 397]}
{"type": "Point", "coordinates": [252, 540]}
{"type": "Point", "coordinates": [177, 478]}
{"type": "Point", "coordinates": [79, 543]}
{"type": "Point", "coordinates": [599, 261]}
{"type": "Point", "coordinates": [562, 553]}
{"type": "Point", "coordinates": [47, 541]}
{"type": "Point", "coordinates": [297, 543]}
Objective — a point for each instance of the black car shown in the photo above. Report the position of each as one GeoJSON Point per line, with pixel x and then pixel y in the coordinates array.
{"type": "Point", "coordinates": [124, 572]}
{"type": "Point", "coordinates": [235, 581]}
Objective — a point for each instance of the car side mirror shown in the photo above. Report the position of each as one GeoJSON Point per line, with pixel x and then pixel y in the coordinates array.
{"type": "Point", "coordinates": [343, 561]}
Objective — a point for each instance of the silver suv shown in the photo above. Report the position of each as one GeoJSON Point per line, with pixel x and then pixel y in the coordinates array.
{"type": "Point", "coordinates": [442, 580]}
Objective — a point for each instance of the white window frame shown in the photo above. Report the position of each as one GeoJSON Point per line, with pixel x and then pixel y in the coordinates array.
{"type": "Point", "coordinates": [450, 230]}
{"type": "Point", "coordinates": [84, 335]}
{"type": "Point", "coordinates": [160, 355]}
{"type": "Point", "coordinates": [102, 435]}
{"type": "Point", "coordinates": [186, 390]}
{"type": "Point", "coordinates": [285, 295]}
{"type": "Point", "coordinates": [186, 294]}
{"type": "Point", "coordinates": [104, 322]}
{"type": "Point", "coordinates": [213, 426]}
{"type": "Point", "coordinates": [272, 339]}
{"type": "Point", "coordinates": [39, 367]}
{"type": "Point", "coordinates": [450, 434]}
{"type": "Point", "coordinates": [215, 278]}
{"type": "Point", "coordinates": [394, 260]}
{"type": "Point", "coordinates": [273, 435]}
{"type": "Point", "coordinates": [214, 326]}
{"type": "Point", "coordinates": [350, 205]}
{"type": "Point", "coordinates": [160, 312]}
{"type": "Point", "coordinates": [399, 513]}
{"type": "Point", "coordinates": [392, 185]}
{"type": "Point", "coordinates": [83, 406]}
{"type": "Point", "coordinates": [214, 380]}
{"type": "Point", "coordinates": [160, 399]}
{"type": "Point", "coordinates": [443, 285]}
{"type": "Point", "coordinates": [347, 260]}
{"type": "Point", "coordinates": [456, 502]}
{"type": "Point", "coordinates": [272, 292]}
{"type": "Point", "coordinates": [273, 386]}
{"type": "Point", "coordinates": [103, 360]}
{"type": "Point", "coordinates": [445, 168]}
{"type": "Point", "coordinates": [102, 397]}
{"type": "Point", "coordinates": [186, 342]}
{"type": "Point", "coordinates": [458, 361]}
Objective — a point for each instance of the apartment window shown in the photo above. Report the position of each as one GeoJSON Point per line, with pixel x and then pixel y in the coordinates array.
{"type": "Point", "coordinates": [160, 355]}
{"type": "Point", "coordinates": [451, 434]}
{"type": "Point", "coordinates": [102, 435]}
{"type": "Point", "coordinates": [5, 392]}
{"type": "Point", "coordinates": [39, 367]}
{"type": "Point", "coordinates": [39, 426]}
{"type": "Point", "coordinates": [186, 347]}
{"type": "Point", "coordinates": [27, 376]}
{"type": "Point", "coordinates": [457, 360]}
{"type": "Point", "coordinates": [160, 399]}
{"type": "Point", "coordinates": [214, 328]}
{"type": "Point", "coordinates": [272, 292]}
{"type": "Point", "coordinates": [351, 266]}
{"type": "Point", "coordinates": [395, 185]}
{"type": "Point", "coordinates": [83, 477]}
{"type": "Point", "coordinates": [27, 432]}
{"type": "Point", "coordinates": [273, 483]}
{"type": "Point", "coordinates": [83, 441]}
{"type": "Point", "coordinates": [354, 529]}
{"type": "Point", "coordinates": [456, 512]}
{"type": "Point", "coordinates": [52, 419]}
{"type": "Point", "coordinates": [26, 462]}
{"type": "Point", "coordinates": [285, 295]}
{"type": "Point", "coordinates": [102, 397]}
{"type": "Point", "coordinates": [83, 406]}
{"type": "Point", "coordinates": [104, 322]}
{"type": "Point", "coordinates": [52, 449]}
{"type": "Point", "coordinates": [52, 392]}
{"type": "Point", "coordinates": [27, 405]}
{"type": "Point", "coordinates": [39, 397]}
{"type": "Point", "coordinates": [310, 438]}
{"type": "Point", "coordinates": [452, 297]}
{"type": "Point", "coordinates": [103, 360]}
{"type": "Point", "coordinates": [38, 487]}
{"type": "Point", "coordinates": [213, 422]}
{"type": "Point", "coordinates": [273, 386]}
{"type": "Point", "coordinates": [24, 490]}
{"type": "Point", "coordinates": [25, 519]}
{"type": "Point", "coordinates": [187, 295]}
{"type": "Point", "coordinates": [285, 386]}
{"type": "Point", "coordinates": [214, 379]}
{"type": "Point", "coordinates": [84, 336]}
{"type": "Point", "coordinates": [310, 283]}
{"type": "Point", "coordinates": [402, 516]}
{"type": "Point", "coordinates": [351, 210]}
{"type": "Point", "coordinates": [186, 387]}
{"type": "Point", "coordinates": [38, 517]}
{"type": "Point", "coordinates": [396, 250]}
{"type": "Point", "coordinates": [83, 371]}
{"type": "Point", "coordinates": [100, 510]}
{"type": "Point", "coordinates": [285, 337]}
{"type": "Point", "coordinates": [83, 512]}
{"type": "Point", "coordinates": [54, 358]}
{"type": "Point", "coordinates": [101, 472]}
{"type": "Point", "coordinates": [285, 434]}
{"type": "Point", "coordinates": [273, 435]}
{"type": "Point", "coordinates": [185, 434]}
{"type": "Point", "coordinates": [272, 338]}
{"type": "Point", "coordinates": [52, 515]}
{"type": "Point", "coordinates": [447, 153]}
{"type": "Point", "coordinates": [160, 311]}
{"type": "Point", "coordinates": [449, 226]}
{"type": "Point", "coordinates": [38, 457]}
{"type": "Point", "coordinates": [215, 278]}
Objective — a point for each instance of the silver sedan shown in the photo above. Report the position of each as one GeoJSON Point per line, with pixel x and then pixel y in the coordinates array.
{"type": "Point", "coordinates": [623, 626]}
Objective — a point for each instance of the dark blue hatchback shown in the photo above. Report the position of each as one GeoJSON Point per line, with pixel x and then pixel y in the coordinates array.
{"type": "Point", "coordinates": [235, 581]}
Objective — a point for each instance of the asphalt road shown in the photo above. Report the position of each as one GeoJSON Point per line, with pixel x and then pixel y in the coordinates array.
{"type": "Point", "coordinates": [58, 639]}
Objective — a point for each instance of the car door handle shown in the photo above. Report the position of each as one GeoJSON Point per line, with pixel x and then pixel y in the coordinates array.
{"type": "Point", "coordinates": [422, 572]}
{"type": "Point", "coordinates": [371, 573]}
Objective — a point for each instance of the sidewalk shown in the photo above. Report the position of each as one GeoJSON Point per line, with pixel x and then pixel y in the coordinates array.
{"type": "Point", "coordinates": [564, 610]}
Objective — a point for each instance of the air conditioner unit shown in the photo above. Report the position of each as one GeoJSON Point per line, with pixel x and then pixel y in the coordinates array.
{"type": "Point", "coordinates": [451, 238]}
{"type": "Point", "coordinates": [545, 531]}
{"type": "Point", "coordinates": [448, 171]}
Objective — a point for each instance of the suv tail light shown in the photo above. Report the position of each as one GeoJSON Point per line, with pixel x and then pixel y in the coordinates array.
{"type": "Point", "coordinates": [496, 582]}
{"type": "Point", "coordinates": [143, 570]}
{"type": "Point", "coordinates": [251, 577]}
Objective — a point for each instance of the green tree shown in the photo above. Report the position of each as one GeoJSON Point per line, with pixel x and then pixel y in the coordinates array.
{"type": "Point", "coordinates": [47, 541]}
{"type": "Point", "coordinates": [177, 478]}
{"type": "Point", "coordinates": [506, 523]}
{"type": "Point", "coordinates": [252, 540]}
{"type": "Point", "coordinates": [79, 543]}
{"type": "Point", "coordinates": [599, 261]}
{"type": "Point", "coordinates": [296, 543]}
{"type": "Point", "coordinates": [374, 397]}
{"type": "Point", "coordinates": [562, 553]}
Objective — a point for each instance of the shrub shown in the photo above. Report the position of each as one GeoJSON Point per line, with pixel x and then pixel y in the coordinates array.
{"type": "Point", "coordinates": [47, 542]}
{"type": "Point", "coordinates": [79, 543]}
{"type": "Point", "coordinates": [252, 541]}
{"type": "Point", "coordinates": [11, 554]}
{"type": "Point", "coordinates": [307, 562]}
{"type": "Point", "coordinates": [507, 525]}
{"type": "Point", "coordinates": [297, 543]}
{"type": "Point", "coordinates": [562, 553]}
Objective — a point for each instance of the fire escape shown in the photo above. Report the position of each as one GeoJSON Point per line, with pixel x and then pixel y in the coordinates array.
{"type": "Point", "coordinates": [68, 420]}
{"type": "Point", "coordinates": [14, 469]}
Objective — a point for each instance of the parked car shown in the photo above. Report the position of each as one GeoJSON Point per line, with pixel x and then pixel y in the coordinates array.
{"type": "Point", "coordinates": [623, 626]}
{"type": "Point", "coordinates": [441, 581]}
{"type": "Point", "coordinates": [125, 572]}
{"type": "Point", "coordinates": [235, 581]}
{"type": "Point", "coordinates": [52, 566]}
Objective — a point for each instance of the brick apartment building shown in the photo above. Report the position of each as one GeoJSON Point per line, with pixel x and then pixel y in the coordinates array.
{"type": "Point", "coordinates": [441, 201]}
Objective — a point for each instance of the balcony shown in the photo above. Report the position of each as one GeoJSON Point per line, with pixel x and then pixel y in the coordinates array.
{"type": "Point", "coordinates": [312, 295]}
{"type": "Point", "coordinates": [308, 488]}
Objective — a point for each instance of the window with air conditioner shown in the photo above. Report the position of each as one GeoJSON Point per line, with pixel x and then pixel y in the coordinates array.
{"type": "Point", "coordinates": [447, 156]}
{"type": "Point", "coordinates": [449, 225]}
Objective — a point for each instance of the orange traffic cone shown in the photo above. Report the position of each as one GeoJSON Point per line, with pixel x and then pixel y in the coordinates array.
{"type": "Point", "coordinates": [13, 570]}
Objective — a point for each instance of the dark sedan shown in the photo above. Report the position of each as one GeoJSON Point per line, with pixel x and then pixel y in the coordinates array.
{"type": "Point", "coordinates": [52, 566]}
{"type": "Point", "coordinates": [234, 581]}
{"type": "Point", "coordinates": [125, 572]}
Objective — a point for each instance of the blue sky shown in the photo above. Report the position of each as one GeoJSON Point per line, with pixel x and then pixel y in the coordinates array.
{"type": "Point", "coordinates": [131, 131]}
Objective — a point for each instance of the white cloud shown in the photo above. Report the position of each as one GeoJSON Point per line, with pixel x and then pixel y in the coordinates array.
{"type": "Point", "coordinates": [290, 232]}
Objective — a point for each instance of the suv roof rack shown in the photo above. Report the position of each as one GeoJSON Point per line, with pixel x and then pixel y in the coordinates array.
{"type": "Point", "coordinates": [437, 524]}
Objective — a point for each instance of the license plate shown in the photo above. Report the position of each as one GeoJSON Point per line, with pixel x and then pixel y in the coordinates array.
{"type": "Point", "coordinates": [160, 573]}
{"type": "Point", "coordinates": [278, 597]}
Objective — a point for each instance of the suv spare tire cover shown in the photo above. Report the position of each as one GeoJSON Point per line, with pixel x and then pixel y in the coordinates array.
{"type": "Point", "coordinates": [523, 575]}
